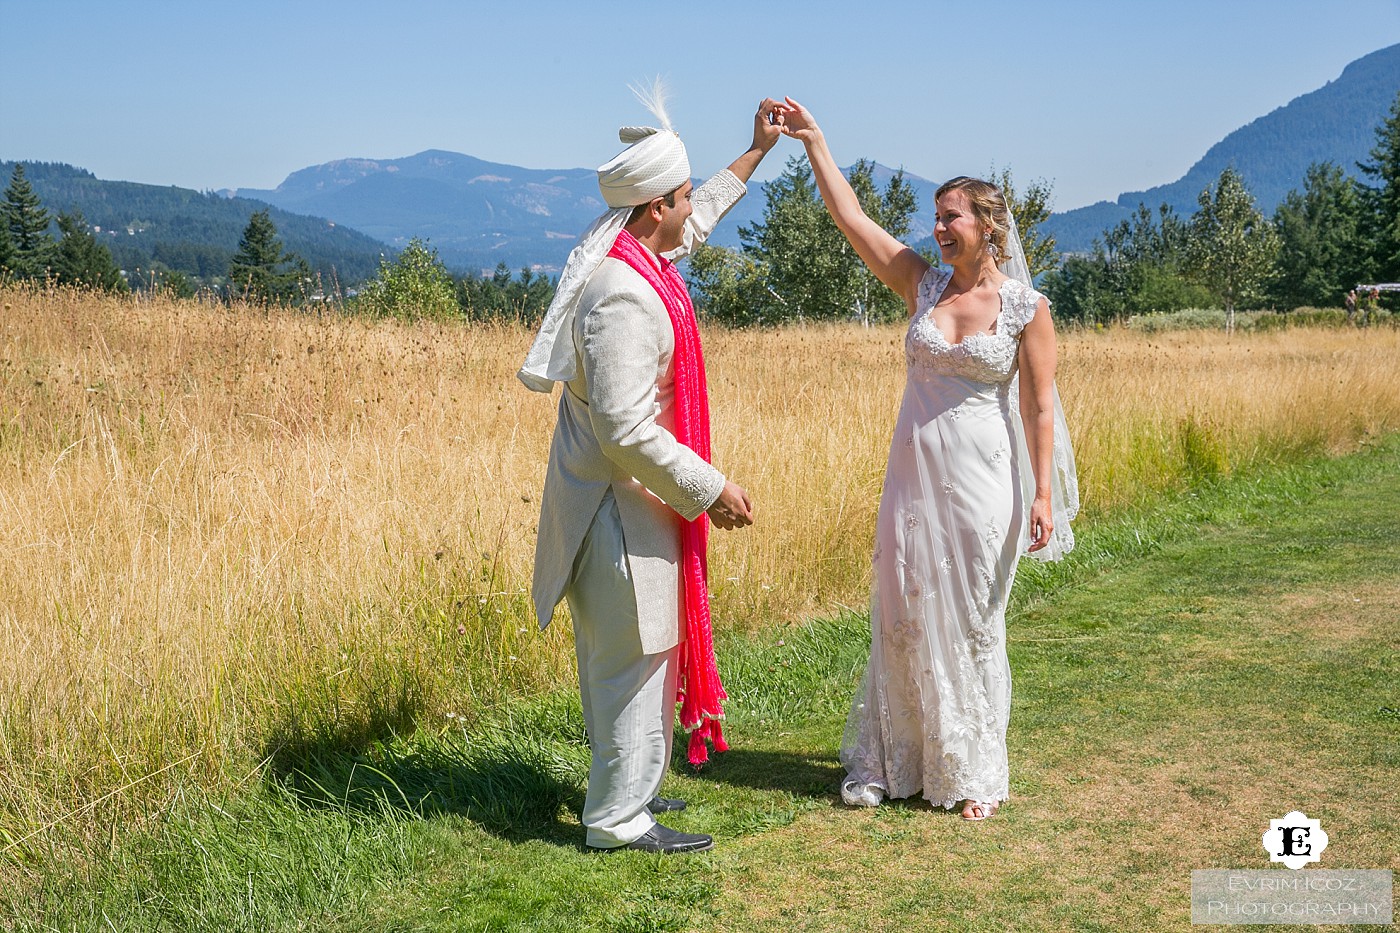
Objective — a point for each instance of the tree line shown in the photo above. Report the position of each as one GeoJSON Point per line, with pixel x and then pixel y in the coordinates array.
{"type": "Point", "coordinates": [155, 230]}
{"type": "Point", "coordinates": [1323, 241]}
{"type": "Point", "coordinates": [262, 271]}
{"type": "Point", "coordinates": [416, 284]}
{"type": "Point", "coordinates": [29, 251]}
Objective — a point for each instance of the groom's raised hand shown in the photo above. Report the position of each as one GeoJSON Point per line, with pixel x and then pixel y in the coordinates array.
{"type": "Point", "coordinates": [733, 509]}
{"type": "Point", "coordinates": [767, 128]}
{"type": "Point", "coordinates": [768, 124]}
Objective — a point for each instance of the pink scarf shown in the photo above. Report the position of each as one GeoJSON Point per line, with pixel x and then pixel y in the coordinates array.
{"type": "Point", "coordinates": [700, 692]}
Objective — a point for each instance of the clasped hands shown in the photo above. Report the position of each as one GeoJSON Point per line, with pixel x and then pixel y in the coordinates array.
{"type": "Point", "coordinates": [782, 118]}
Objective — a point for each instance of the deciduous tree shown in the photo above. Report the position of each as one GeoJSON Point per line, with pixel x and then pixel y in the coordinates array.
{"type": "Point", "coordinates": [729, 285]}
{"type": "Point", "coordinates": [413, 285]}
{"type": "Point", "coordinates": [1031, 209]}
{"type": "Point", "coordinates": [1232, 247]}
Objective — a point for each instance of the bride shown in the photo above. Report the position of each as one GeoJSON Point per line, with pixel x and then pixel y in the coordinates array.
{"type": "Point", "coordinates": [979, 470]}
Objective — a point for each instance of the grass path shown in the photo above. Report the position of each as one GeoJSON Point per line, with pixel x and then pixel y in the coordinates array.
{"type": "Point", "coordinates": [1164, 713]}
{"type": "Point", "coordinates": [1197, 672]}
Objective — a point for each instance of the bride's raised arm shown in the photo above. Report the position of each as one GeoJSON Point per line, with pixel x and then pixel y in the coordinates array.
{"type": "Point", "coordinates": [893, 263]}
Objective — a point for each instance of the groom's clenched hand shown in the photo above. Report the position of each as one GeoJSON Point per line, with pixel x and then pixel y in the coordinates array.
{"type": "Point", "coordinates": [733, 509]}
{"type": "Point", "coordinates": [768, 124]}
{"type": "Point", "coordinates": [767, 128]}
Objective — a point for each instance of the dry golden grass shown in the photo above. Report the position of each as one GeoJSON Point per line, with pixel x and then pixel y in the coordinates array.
{"type": "Point", "coordinates": [227, 528]}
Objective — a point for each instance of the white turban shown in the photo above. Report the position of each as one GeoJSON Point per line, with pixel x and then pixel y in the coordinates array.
{"type": "Point", "coordinates": [653, 165]}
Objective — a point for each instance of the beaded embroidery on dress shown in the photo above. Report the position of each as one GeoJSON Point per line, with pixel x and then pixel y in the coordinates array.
{"type": "Point", "coordinates": [932, 713]}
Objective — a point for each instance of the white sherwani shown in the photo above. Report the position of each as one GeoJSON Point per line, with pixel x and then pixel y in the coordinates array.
{"type": "Point", "coordinates": [614, 431]}
{"type": "Point", "coordinates": [616, 490]}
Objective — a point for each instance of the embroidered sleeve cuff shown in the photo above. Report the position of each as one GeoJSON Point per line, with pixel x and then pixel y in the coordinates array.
{"type": "Point", "coordinates": [701, 486]}
{"type": "Point", "coordinates": [720, 193]}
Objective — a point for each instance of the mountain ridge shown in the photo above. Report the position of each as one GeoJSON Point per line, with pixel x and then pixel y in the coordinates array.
{"type": "Point", "coordinates": [1272, 152]}
{"type": "Point", "coordinates": [473, 211]}
{"type": "Point", "coordinates": [477, 213]}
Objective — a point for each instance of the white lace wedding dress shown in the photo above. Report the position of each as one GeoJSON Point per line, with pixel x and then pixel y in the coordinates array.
{"type": "Point", "coordinates": [932, 713]}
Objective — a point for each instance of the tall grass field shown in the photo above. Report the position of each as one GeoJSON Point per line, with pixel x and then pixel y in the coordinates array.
{"type": "Point", "coordinates": [232, 533]}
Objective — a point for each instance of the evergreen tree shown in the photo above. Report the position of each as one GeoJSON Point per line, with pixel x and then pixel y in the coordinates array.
{"type": "Point", "coordinates": [7, 251]}
{"type": "Point", "coordinates": [1322, 250]}
{"type": "Point", "coordinates": [81, 260]}
{"type": "Point", "coordinates": [260, 271]}
{"type": "Point", "coordinates": [415, 285]}
{"type": "Point", "coordinates": [798, 251]}
{"type": "Point", "coordinates": [27, 224]}
{"type": "Point", "coordinates": [172, 282]}
{"type": "Point", "coordinates": [1382, 226]}
{"type": "Point", "coordinates": [503, 297]}
{"type": "Point", "coordinates": [1232, 246]}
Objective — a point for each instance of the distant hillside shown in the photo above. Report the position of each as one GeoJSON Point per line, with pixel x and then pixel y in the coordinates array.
{"type": "Point", "coordinates": [192, 232]}
{"type": "Point", "coordinates": [1336, 123]}
{"type": "Point", "coordinates": [475, 213]}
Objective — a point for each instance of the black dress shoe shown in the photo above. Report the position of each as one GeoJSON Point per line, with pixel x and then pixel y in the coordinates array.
{"type": "Point", "coordinates": [668, 842]}
{"type": "Point", "coordinates": [665, 805]}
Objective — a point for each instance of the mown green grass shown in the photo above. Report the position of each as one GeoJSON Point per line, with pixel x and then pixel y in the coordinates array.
{"type": "Point", "coordinates": [1194, 670]}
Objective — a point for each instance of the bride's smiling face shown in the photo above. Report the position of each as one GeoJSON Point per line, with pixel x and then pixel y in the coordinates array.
{"type": "Point", "coordinates": [959, 234]}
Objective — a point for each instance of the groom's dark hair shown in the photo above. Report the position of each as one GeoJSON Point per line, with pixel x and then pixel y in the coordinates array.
{"type": "Point", "coordinates": [637, 212]}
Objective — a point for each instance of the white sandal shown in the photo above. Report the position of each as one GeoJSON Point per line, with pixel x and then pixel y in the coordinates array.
{"type": "Point", "coordinates": [985, 807]}
{"type": "Point", "coordinates": [856, 794]}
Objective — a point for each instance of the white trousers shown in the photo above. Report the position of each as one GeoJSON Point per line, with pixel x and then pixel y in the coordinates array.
{"type": "Point", "coordinates": [629, 698]}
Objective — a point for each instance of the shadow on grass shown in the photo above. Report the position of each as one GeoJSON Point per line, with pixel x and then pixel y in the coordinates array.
{"type": "Point", "coordinates": [514, 793]}
{"type": "Point", "coordinates": [515, 784]}
{"type": "Point", "coordinates": [788, 772]}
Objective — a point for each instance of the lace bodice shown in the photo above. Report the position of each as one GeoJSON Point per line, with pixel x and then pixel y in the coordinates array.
{"type": "Point", "coordinates": [982, 357]}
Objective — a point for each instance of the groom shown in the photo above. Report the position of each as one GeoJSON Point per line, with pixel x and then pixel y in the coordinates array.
{"type": "Point", "coordinates": [622, 518]}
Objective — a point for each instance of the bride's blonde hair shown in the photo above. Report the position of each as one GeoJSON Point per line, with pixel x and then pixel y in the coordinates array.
{"type": "Point", "coordinates": [988, 206]}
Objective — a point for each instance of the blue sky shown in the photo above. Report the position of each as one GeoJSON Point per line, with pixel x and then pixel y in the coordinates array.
{"type": "Point", "coordinates": [1096, 97]}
